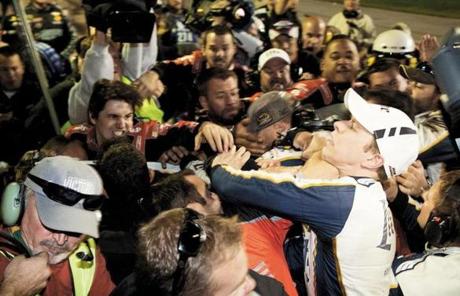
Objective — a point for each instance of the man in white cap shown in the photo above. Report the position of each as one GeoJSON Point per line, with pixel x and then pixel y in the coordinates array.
{"type": "Point", "coordinates": [275, 71]}
{"type": "Point", "coordinates": [60, 201]}
{"type": "Point", "coordinates": [354, 238]}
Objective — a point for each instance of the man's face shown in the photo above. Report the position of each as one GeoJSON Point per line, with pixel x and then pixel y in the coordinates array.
{"type": "Point", "coordinates": [313, 35]}
{"type": "Point", "coordinates": [11, 72]}
{"type": "Point", "coordinates": [115, 120]}
{"type": "Point", "coordinates": [275, 75]}
{"type": "Point", "coordinates": [39, 239]}
{"type": "Point", "coordinates": [351, 4]}
{"type": "Point", "coordinates": [213, 205]}
{"type": "Point", "coordinates": [219, 50]}
{"type": "Point", "coordinates": [340, 63]}
{"type": "Point", "coordinates": [223, 99]}
{"type": "Point", "coordinates": [390, 78]}
{"type": "Point", "coordinates": [288, 44]}
{"type": "Point", "coordinates": [432, 199]}
{"type": "Point", "coordinates": [347, 145]}
{"type": "Point", "coordinates": [271, 133]}
{"type": "Point", "coordinates": [424, 96]}
{"type": "Point", "coordinates": [239, 283]}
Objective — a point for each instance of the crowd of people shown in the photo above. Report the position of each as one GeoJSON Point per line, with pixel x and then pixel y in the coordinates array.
{"type": "Point", "coordinates": [276, 154]}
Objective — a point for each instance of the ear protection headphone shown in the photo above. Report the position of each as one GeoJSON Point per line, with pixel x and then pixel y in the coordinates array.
{"type": "Point", "coordinates": [12, 203]}
{"type": "Point", "coordinates": [439, 229]}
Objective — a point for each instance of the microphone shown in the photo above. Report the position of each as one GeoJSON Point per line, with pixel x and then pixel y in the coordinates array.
{"type": "Point", "coordinates": [82, 255]}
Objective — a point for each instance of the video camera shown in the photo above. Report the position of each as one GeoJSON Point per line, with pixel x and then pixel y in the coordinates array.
{"type": "Point", "coordinates": [130, 21]}
{"type": "Point", "coordinates": [202, 13]}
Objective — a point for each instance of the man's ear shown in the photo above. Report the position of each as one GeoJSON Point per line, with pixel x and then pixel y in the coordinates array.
{"type": "Point", "coordinates": [373, 161]}
{"type": "Point", "coordinates": [92, 119]}
{"type": "Point", "coordinates": [203, 102]}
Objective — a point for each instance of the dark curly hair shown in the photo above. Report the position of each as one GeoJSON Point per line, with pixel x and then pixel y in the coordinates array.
{"type": "Point", "coordinates": [105, 90]}
{"type": "Point", "coordinates": [126, 178]}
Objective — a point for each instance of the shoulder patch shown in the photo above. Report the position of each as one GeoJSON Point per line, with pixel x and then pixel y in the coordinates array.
{"type": "Point", "coordinates": [410, 263]}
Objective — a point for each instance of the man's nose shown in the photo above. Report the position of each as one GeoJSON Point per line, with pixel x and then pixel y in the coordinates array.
{"type": "Point", "coordinates": [60, 238]}
{"type": "Point", "coordinates": [314, 39]}
{"type": "Point", "coordinates": [232, 100]}
{"type": "Point", "coordinates": [342, 61]}
{"type": "Point", "coordinates": [121, 123]}
{"type": "Point", "coordinates": [220, 53]}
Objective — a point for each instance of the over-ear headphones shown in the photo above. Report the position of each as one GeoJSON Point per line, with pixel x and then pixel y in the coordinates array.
{"type": "Point", "coordinates": [439, 229]}
{"type": "Point", "coordinates": [12, 203]}
{"type": "Point", "coordinates": [442, 224]}
{"type": "Point", "coordinates": [13, 200]}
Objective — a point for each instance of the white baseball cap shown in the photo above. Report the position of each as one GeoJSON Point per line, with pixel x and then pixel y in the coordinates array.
{"type": "Point", "coordinates": [271, 54]}
{"type": "Point", "coordinates": [394, 131]}
{"type": "Point", "coordinates": [60, 178]}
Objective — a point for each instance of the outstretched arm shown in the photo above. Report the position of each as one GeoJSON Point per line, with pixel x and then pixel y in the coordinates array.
{"type": "Point", "coordinates": [323, 204]}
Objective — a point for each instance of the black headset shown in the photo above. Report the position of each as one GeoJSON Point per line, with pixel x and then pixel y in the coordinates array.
{"type": "Point", "coordinates": [439, 229]}
{"type": "Point", "coordinates": [442, 227]}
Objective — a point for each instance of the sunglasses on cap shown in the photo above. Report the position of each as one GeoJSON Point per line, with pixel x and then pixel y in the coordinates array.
{"type": "Point", "coordinates": [67, 196]}
{"type": "Point", "coordinates": [425, 67]}
{"type": "Point", "coordinates": [191, 238]}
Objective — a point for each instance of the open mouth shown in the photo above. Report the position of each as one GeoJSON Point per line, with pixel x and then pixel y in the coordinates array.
{"type": "Point", "coordinates": [277, 86]}
{"type": "Point", "coordinates": [118, 133]}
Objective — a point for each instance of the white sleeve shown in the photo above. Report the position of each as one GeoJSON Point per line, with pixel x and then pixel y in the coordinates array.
{"type": "Point", "coordinates": [98, 65]}
{"type": "Point", "coordinates": [137, 58]}
{"type": "Point", "coordinates": [340, 22]}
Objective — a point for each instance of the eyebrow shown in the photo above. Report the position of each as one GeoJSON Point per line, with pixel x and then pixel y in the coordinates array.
{"type": "Point", "coordinates": [224, 91]}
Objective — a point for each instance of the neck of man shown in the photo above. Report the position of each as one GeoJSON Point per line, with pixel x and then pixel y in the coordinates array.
{"type": "Point", "coordinates": [357, 171]}
{"type": "Point", "coordinates": [317, 168]}
{"type": "Point", "coordinates": [99, 140]}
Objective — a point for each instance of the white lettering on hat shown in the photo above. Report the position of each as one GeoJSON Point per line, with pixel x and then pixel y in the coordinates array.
{"type": "Point", "coordinates": [78, 184]}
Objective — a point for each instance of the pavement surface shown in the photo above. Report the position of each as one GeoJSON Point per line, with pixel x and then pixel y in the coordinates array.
{"type": "Point", "coordinates": [385, 19]}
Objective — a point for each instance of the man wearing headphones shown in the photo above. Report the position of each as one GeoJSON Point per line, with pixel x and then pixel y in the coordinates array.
{"type": "Point", "coordinates": [51, 250]}
{"type": "Point", "coordinates": [182, 252]}
{"type": "Point", "coordinates": [437, 270]}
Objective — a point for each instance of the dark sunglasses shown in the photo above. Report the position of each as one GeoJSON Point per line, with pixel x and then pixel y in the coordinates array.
{"type": "Point", "coordinates": [67, 196]}
{"type": "Point", "coordinates": [425, 67]}
{"type": "Point", "coordinates": [191, 238]}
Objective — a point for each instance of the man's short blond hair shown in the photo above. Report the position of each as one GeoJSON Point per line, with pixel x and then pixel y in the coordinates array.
{"type": "Point", "coordinates": [158, 255]}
